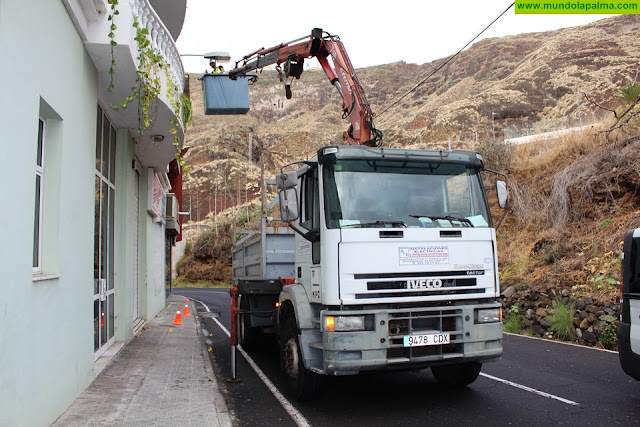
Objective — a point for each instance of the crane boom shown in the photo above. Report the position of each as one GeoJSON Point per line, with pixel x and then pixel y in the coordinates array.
{"type": "Point", "coordinates": [338, 69]}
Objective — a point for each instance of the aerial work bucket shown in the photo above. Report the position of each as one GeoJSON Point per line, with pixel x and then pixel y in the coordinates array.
{"type": "Point", "coordinates": [225, 96]}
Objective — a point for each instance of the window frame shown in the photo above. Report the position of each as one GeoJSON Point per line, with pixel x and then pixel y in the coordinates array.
{"type": "Point", "coordinates": [39, 175]}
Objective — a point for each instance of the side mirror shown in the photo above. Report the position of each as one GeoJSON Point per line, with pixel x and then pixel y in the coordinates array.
{"type": "Point", "coordinates": [289, 205]}
{"type": "Point", "coordinates": [503, 194]}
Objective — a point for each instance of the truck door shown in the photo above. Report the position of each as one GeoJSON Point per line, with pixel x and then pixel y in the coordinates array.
{"type": "Point", "coordinates": [308, 253]}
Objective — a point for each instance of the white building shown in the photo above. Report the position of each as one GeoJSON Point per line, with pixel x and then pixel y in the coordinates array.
{"type": "Point", "coordinates": [82, 218]}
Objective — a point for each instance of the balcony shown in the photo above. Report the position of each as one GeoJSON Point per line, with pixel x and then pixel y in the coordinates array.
{"type": "Point", "coordinates": [154, 147]}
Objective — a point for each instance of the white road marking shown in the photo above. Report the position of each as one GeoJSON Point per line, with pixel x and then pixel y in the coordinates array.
{"type": "Point", "coordinates": [561, 342]}
{"type": "Point", "coordinates": [295, 415]}
{"type": "Point", "coordinates": [531, 390]}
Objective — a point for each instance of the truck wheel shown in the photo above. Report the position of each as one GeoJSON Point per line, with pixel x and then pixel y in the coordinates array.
{"type": "Point", "coordinates": [457, 375]}
{"type": "Point", "coordinates": [248, 336]}
{"type": "Point", "coordinates": [304, 383]}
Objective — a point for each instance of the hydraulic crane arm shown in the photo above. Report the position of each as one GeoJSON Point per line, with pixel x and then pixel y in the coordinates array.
{"type": "Point", "coordinates": [335, 62]}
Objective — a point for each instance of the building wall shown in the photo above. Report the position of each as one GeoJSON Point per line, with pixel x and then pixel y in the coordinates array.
{"type": "Point", "coordinates": [46, 338]}
{"type": "Point", "coordinates": [46, 326]}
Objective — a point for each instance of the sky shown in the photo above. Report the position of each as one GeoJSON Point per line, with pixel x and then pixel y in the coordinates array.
{"type": "Point", "coordinates": [374, 32]}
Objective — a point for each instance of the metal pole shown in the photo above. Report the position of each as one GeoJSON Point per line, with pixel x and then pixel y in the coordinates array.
{"type": "Point", "coordinates": [233, 339]}
{"type": "Point", "coordinates": [493, 124]}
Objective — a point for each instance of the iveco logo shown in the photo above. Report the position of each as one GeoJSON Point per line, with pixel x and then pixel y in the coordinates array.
{"type": "Point", "coordinates": [424, 284]}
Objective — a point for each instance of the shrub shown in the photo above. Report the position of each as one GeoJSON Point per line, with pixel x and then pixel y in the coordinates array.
{"type": "Point", "coordinates": [562, 321]}
{"type": "Point", "coordinates": [608, 337]}
{"type": "Point", "coordinates": [496, 154]}
{"type": "Point", "coordinates": [513, 324]}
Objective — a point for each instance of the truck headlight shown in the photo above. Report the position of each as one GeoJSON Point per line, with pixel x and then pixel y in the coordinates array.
{"type": "Point", "coordinates": [344, 323]}
{"type": "Point", "coordinates": [489, 315]}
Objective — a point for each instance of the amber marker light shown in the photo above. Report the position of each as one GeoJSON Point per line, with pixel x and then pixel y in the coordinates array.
{"type": "Point", "coordinates": [329, 323]}
{"type": "Point", "coordinates": [277, 304]}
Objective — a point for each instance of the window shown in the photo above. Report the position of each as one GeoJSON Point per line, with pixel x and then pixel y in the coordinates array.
{"type": "Point", "coordinates": [311, 209]}
{"type": "Point", "coordinates": [364, 193]}
{"type": "Point", "coordinates": [37, 221]}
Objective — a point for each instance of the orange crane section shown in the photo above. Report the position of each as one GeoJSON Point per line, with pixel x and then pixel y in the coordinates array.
{"type": "Point", "coordinates": [332, 56]}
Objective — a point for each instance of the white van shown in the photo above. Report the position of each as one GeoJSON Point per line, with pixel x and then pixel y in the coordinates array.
{"type": "Point", "coordinates": [629, 327]}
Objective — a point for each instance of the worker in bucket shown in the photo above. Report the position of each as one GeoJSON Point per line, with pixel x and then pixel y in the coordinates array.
{"type": "Point", "coordinates": [214, 68]}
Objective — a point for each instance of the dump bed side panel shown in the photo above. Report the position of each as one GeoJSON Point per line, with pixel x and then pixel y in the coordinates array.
{"type": "Point", "coordinates": [271, 259]}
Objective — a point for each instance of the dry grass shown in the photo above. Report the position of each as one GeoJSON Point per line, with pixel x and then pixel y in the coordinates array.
{"type": "Point", "coordinates": [572, 199]}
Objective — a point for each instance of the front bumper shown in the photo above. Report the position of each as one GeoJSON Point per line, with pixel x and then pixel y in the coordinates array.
{"type": "Point", "coordinates": [382, 348]}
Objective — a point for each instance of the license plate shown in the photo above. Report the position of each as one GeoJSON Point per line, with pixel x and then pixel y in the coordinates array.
{"type": "Point", "coordinates": [426, 339]}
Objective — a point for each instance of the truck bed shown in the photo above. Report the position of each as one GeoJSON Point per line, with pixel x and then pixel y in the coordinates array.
{"type": "Point", "coordinates": [269, 254]}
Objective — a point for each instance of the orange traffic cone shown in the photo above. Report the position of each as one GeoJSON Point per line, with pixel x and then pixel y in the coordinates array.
{"type": "Point", "coordinates": [178, 320]}
{"type": "Point", "coordinates": [186, 309]}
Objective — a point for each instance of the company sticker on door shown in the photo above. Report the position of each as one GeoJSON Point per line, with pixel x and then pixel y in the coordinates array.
{"type": "Point", "coordinates": [424, 255]}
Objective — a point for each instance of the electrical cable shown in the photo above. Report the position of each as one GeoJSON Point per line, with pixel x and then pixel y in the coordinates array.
{"type": "Point", "coordinates": [421, 82]}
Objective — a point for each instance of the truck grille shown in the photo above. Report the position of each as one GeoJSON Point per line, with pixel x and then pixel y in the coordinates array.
{"type": "Point", "coordinates": [416, 322]}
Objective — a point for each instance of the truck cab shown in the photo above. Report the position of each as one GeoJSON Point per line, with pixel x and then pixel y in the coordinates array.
{"type": "Point", "coordinates": [629, 327]}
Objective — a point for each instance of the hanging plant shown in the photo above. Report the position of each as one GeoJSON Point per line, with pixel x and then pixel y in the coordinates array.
{"type": "Point", "coordinates": [148, 87]}
{"type": "Point", "coordinates": [112, 41]}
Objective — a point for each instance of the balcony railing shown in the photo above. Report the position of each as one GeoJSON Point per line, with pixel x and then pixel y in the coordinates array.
{"type": "Point", "coordinates": [160, 39]}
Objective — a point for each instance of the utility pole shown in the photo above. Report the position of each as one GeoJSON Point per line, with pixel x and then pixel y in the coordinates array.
{"type": "Point", "coordinates": [493, 124]}
{"type": "Point", "coordinates": [215, 202]}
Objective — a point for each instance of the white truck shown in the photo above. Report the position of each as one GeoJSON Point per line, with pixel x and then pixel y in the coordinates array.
{"type": "Point", "coordinates": [393, 266]}
{"type": "Point", "coordinates": [629, 326]}
{"type": "Point", "coordinates": [389, 261]}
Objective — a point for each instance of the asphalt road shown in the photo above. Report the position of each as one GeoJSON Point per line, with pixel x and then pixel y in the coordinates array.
{"type": "Point", "coordinates": [537, 382]}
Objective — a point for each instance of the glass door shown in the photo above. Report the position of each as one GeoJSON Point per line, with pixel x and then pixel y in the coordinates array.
{"type": "Point", "coordinates": [103, 268]}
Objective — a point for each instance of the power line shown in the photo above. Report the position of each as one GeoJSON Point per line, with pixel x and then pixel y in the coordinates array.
{"type": "Point", "coordinates": [421, 82]}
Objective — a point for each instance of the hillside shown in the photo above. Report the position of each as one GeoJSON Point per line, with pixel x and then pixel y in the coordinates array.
{"type": "Point", "coordinates": [572, 198]}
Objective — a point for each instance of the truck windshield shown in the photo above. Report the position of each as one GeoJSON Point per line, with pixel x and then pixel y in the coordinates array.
{"type": "Point", "coordinates": [382, 193]}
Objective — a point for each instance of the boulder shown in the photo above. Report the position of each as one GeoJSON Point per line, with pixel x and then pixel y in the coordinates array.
{"type": "Point", "coordinates": [546, 322]}
{"type": "Point", "coordinates": [508, 293]}
{"type": "Point", "coordinates": [542, 312]}
{"type": "Point", "coordinates": [591, 308]}
{"type": "Point", "coordinates": [589, 337]}
{"type": "Point", "coordinates": [584, 324]}
{"type": "Point", "coordinates": [580, 305]}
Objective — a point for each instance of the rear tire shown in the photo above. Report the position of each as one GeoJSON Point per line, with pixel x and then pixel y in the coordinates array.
{"type": "Point", "coordinates": [248, 336]}
{"type": "Point", "coordinates": [304, 384]}
{"type": "Point", "coordinates": [457, 375]}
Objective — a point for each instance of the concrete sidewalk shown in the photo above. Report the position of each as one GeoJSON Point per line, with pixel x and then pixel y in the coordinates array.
{"type": "Point", "coordinates": [162, 378]}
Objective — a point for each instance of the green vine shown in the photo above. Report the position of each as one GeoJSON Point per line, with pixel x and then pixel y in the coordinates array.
{"type": "Point", "coordinates": [148, 87]}
{"type": "Point", "coordinates": [112, 41]}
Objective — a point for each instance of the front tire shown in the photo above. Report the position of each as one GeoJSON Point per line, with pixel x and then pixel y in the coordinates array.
{"type": "Point", "coordinates": [304, 384]}
{"type": "Point", "coordinates": [457, 375]}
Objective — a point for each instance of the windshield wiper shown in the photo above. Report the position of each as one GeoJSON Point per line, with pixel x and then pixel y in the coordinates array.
{"type": "Point", "coordinates": [444, 217]}
{"type": "Point", "coordinates": [397, 224]}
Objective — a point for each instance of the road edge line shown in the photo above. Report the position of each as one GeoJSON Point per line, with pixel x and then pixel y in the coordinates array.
{"type": "Point", "coordinates": [561, 342]}
{"type": "Point", "coordinates": [530, 389]}
{"type": "Point", "coordinates": [295, 415]}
